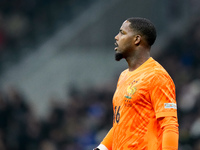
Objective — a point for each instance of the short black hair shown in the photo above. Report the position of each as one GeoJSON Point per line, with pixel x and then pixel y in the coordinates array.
{"type": "Point", "coordinates": [144, 27]}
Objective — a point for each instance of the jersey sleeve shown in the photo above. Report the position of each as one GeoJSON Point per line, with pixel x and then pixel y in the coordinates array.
{"type": "Point", "coordinates": [170, 133]}
{"type": "Point", "coordinates": [163, 97]}
{"type": "Point", "coordinates": [107, 141]}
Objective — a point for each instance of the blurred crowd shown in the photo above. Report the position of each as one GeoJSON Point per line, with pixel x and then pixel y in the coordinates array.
{"type": "Point", "coordinates": [84, 120]}
{"type": "Point", "coordinates": [26, 24]}
{"type": "Point", "coordinates": [78, 124]}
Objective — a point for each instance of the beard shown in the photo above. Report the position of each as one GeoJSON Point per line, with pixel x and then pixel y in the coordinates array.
{"type": "Point", "coordinates": [118, 56]}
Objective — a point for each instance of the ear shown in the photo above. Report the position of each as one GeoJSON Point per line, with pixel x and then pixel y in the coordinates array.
{"type": "Point", "coordinates": [137, 39]}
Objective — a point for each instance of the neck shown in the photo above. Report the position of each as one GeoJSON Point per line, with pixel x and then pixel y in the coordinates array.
{"type": "Point", "coordinates": [137, 60]}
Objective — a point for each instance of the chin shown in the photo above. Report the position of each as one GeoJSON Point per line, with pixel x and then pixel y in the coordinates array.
{"type": "Point", "coordinates": [118, 56]}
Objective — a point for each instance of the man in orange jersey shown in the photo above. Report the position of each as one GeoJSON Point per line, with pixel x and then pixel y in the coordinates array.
{"type": "Point", "coordinates": [144, 103]}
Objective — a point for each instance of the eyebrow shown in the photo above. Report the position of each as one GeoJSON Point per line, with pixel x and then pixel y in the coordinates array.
{"type": "Point", "coordinates": [121, 30]}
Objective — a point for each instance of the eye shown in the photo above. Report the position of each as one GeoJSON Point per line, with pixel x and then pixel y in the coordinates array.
{"type": "Point", "coordinates": [122, 32]}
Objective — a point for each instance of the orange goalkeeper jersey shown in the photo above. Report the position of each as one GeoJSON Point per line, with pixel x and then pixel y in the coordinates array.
{"type": "Point", "coordinates": [142, 96]}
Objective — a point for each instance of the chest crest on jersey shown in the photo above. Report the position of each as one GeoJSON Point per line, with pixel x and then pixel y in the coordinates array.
{"type": "Point", "coordinates": [130, 90]}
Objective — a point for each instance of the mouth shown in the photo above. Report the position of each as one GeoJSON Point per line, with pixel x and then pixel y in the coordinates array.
{"type": "Point", "coordinates": [116, 46]}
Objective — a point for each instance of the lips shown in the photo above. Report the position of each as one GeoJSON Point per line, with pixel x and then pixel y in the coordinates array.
{"type": "Point", "coordinates": [116, 46]}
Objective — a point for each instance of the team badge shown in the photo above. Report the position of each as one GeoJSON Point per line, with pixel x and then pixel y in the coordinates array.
{"type": "Point", "coordinates": [130, 91]}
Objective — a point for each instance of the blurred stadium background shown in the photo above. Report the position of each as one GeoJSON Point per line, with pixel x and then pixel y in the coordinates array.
{"type": "Point", "coordinates": [58, 73]}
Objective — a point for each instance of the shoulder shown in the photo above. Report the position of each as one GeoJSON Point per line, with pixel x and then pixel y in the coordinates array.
{"type": "Point", "coordinates": [160, 75]}
{"type": "Point", "coordinates": [123, 73]}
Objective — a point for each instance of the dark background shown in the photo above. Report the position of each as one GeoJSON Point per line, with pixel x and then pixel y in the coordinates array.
{"type": "Point", "coordinates": [58, 74]}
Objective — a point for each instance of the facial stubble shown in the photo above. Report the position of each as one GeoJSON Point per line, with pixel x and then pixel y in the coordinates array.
{"type": "Point", "coordinates": [118, 56]}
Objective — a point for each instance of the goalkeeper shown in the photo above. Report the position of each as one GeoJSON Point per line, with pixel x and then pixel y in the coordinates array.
{"type": "Point", "coordinates": [144, 103]}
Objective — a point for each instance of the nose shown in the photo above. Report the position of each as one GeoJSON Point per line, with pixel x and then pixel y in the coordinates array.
{"type": "Point", "coordinates": [116, 37]}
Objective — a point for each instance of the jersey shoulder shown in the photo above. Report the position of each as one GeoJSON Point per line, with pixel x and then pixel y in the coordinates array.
{"type": "Point", "coordinates": [160, 76]}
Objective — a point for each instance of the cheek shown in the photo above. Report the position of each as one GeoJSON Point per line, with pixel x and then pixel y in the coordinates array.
{"type": "Point", "coordinates": [125, 43]}
{"type": "Point", "coordinates": [122, 42]}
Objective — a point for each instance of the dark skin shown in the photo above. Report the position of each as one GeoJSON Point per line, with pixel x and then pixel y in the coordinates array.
{"type": "Point", "coordinates": [135, 50]}
{"type": "Point", "coordinates": [132, 46]}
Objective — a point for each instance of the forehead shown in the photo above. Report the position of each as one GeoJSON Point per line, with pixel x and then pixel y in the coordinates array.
{"type": "Point", "coordinates": [126, 26]}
